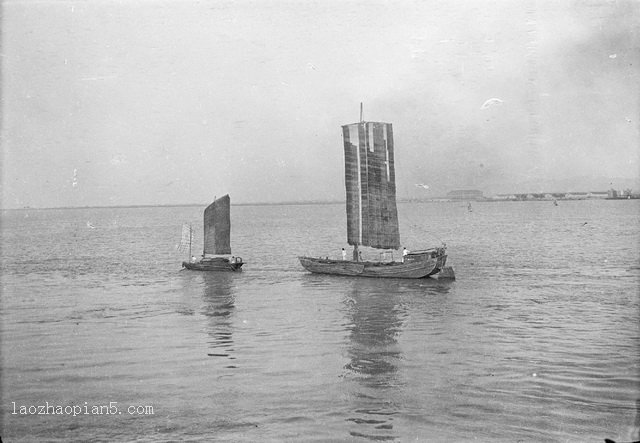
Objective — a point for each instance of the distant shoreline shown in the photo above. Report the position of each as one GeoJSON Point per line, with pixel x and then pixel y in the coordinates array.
{"type": "Point", "coordinates": [332, 202]}
{"type": "Point", "coordinates": [176, 205]}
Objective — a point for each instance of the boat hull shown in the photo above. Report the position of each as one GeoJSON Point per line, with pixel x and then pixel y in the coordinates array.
{"type": "Point", "coordinates": [418, 266]}
{"type": "Point", "coordinates": [213, 265]}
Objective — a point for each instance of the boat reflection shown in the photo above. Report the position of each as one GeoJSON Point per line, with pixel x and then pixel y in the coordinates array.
{"type": "Point", "coordinates": [375, 320]}
{"type": "Point", "coordinates": [218, 306]}
{"type": "Point", "coordinates": [377, 310]}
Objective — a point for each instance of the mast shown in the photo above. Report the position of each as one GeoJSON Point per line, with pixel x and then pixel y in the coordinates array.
{"type": "Point", "coordinates": [356, 251]}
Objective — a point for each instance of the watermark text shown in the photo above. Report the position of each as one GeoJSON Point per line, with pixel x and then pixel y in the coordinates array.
{"type": "Point", "coordinates": [80, 409]}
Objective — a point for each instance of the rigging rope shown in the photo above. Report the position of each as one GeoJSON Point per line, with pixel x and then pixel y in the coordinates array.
{"type": "Point", "coordinates": [422, 229]}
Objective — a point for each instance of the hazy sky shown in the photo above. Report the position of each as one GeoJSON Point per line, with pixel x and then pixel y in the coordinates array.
{"type": "Point", "coordinates": [162, 102]}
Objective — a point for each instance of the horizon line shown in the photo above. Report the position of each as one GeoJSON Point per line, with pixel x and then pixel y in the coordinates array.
{"type": "Point", "coordinates": [281, 203]}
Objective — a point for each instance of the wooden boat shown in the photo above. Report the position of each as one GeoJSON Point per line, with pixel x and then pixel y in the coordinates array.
{"type": "Point", "coordinates": [415, 265]}
{"type": "Point", "coordinates": [372, 216]}
{"type": "Point", "coordinates": [216, 255]}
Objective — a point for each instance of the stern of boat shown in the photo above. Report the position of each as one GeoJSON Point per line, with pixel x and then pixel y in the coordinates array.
{"type": "Point", "coordinates": [438, 256]}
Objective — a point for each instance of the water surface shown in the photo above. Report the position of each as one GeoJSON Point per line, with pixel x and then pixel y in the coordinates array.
{"type": "Point", "coordinates": [536, 340]}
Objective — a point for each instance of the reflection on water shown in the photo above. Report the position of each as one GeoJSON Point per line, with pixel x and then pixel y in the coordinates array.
{"type": "Point", "coordinates": [377, 311]}
{"type": "Point", "coordinates": [218, 298]}
{"type": "Point", "coordinates": [375, 316]}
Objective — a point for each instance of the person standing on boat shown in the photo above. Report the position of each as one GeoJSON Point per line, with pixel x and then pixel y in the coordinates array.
{"type": "Point", "coordinates": [344, 254]}
{"type": "Point", "coordinates": [404, 253]}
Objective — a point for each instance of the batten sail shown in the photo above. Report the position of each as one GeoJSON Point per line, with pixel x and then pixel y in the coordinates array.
{"type": "Point", "coordinates": [217, 227]}
{"type": "Point", "coordinates": [372, 215]}
{"type": "Point", "coordinates": [187, 238]}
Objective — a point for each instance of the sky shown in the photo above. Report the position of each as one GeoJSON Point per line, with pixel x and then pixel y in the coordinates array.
{"type": "Point", "coordinates": [175, 101]}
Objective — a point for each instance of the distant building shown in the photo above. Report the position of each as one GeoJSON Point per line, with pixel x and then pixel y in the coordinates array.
{"type": "Point", "coordinates": [576, 195]}
{"type": "Point", "coordinates": [465, 195]}
{"type": "Point", "coordinates": [504, 197]}
{"type": "Point", "coordinates": [540, 196]}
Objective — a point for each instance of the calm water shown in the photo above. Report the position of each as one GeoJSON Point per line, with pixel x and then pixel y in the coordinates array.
{"type": "Point", "coordinates": [536, 340]}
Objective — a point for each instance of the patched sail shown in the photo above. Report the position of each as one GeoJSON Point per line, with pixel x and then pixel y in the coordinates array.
{"type": "Point", "coordinates": [217, 227]}
{"type": "Point", "coordinates": [372, 215]}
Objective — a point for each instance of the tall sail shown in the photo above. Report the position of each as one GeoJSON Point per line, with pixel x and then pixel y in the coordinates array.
{"type": "Point", "coordinates": [372, 216]}
{"type": "Point", "coordinates": [217, 227]}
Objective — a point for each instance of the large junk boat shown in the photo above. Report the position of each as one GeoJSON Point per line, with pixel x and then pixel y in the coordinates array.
{"type": "Point", "coordinates": [372, 216]}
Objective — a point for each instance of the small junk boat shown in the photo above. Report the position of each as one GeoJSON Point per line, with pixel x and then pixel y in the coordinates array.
{"type": "Point", "coordinates": [216, 255]}
{"type": "Point", "coordinates": [372, 216]}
